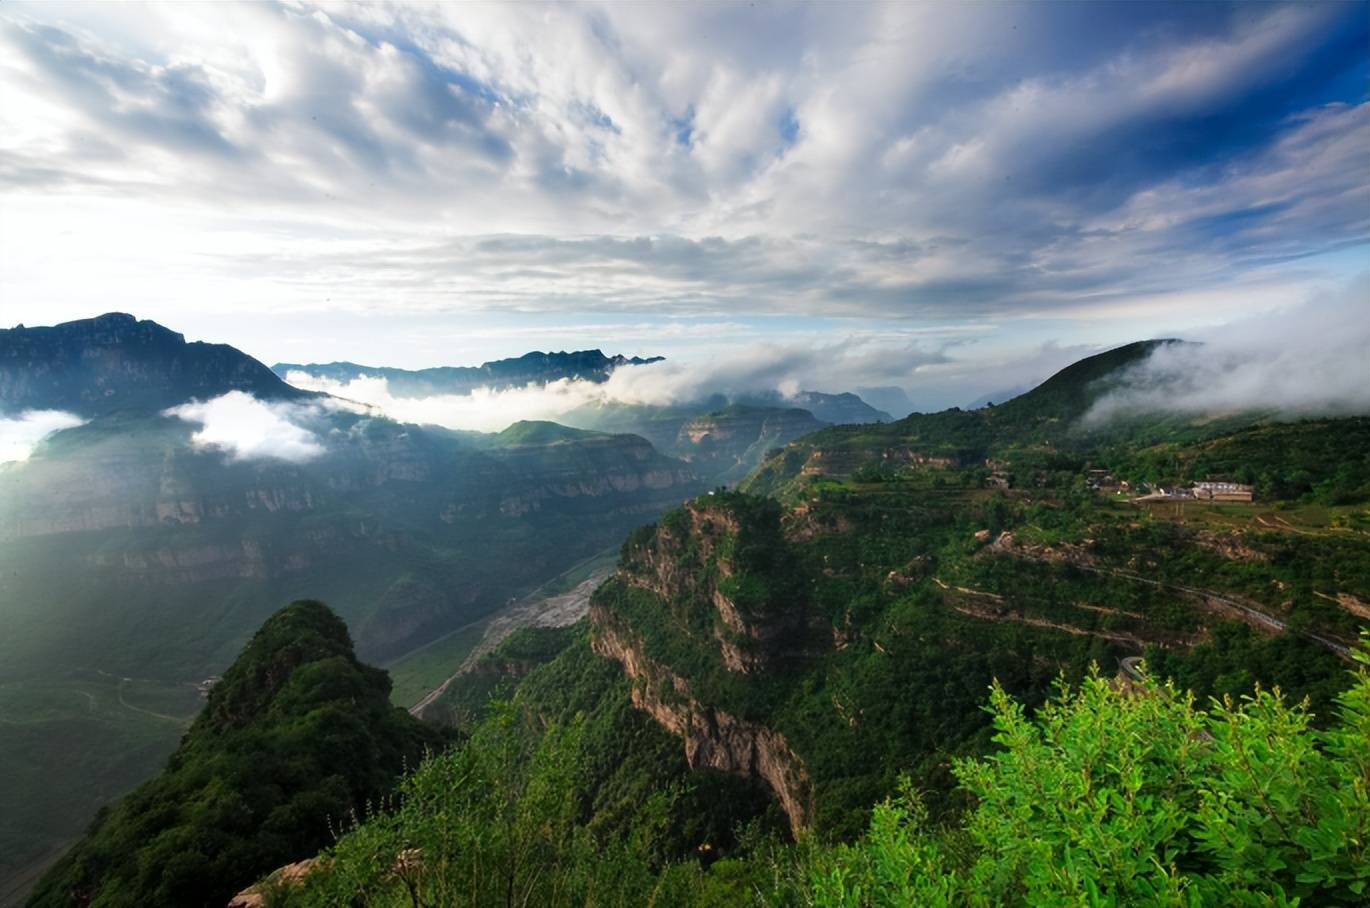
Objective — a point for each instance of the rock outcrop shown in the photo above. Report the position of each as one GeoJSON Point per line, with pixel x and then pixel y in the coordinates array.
{"type": "Point", "coordinates": [721, 569]}
{"type": "Point", "coordinates": [256, 895]}
{"type": "Point", "coordinates": [713, 738]}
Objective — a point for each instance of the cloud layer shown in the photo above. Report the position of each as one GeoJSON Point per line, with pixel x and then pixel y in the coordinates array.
{"type": "Point", "coordinates": [786, 369]}
{"type": "Point", "coordinates": [1312, 358]}
{"type": "Point", "coordinates": [483, 410]}
{"type": "Point", "coordinates": [21, 434]}
{"type": "Point", "coordinates": [891, 161]}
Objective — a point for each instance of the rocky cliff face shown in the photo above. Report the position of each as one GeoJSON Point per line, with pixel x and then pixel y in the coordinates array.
{"type": "Point", "coordinates": [129, 503]}
{"type": "Point", "coordinates": [144, 473]}
{"type": "Point", "coordinates": [713, 738]}
{"type": "Point", "coordinates": [711, 587]}
{"type": "Point", "coordinates": [588, 468]}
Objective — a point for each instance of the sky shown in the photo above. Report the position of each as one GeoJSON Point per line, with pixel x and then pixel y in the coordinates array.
{"type": "Point", "coordinates": [950, 199]}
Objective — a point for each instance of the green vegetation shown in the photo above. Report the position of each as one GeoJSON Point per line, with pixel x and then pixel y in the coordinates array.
{"type": "Point", "coordinates": [73, 743]}
{"type": "Point", "coordinates": [126, 549]}
{"type": "Point", "coordinates": [778, 699]}
{"type": "Point", "coordinates": [298, 734]}
{"type": "Point", "coordinates": [1112, 797]}
{"type": "Point", "coordinates": [495, 675]}
{"type": "Point", "coordinates": [1324, 462]}
{"type": "Point", "coordinates": [879, 608]}
{"type": "Point", "coordinates": [540, 432]}
{"type": "Point", "coordinates": [1108, 796]}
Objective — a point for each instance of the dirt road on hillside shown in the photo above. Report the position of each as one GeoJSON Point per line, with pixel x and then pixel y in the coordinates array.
{"type": "Point", "coordinates": [536, 610]}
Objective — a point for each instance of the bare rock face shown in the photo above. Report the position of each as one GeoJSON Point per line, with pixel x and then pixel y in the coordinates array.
{"type": "Point", "coordinates": [255, 896]}
{"type": "Point", "coordinates": [713, 738]}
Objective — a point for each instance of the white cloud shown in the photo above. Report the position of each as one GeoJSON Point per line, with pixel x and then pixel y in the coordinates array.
{"type": "Point", "coordinates": [783, 368]}
{"type": "Point", "coordinates": [483, 410]}
{"type": "Point", "coordinates": [249, 429]}
{"type": "Point", "coordinates": [693, 158]}
{"type": "Point", "coordinates": [20, 434]}
{"type": "Point", "coordinates": [787, 368]}
{"type": "Point", "coordinates": [1312, 359]}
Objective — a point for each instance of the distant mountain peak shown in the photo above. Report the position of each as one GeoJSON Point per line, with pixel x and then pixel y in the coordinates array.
{"type": "Point", "coordinates": [118, 362]}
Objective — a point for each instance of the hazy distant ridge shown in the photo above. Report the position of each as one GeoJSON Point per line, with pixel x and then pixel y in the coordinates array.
{"type": "Point", "coordinates": [535, 368]}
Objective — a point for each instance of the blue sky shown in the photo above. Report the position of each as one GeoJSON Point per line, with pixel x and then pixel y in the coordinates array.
{"type": "Point", "coordinates": [952, 199]}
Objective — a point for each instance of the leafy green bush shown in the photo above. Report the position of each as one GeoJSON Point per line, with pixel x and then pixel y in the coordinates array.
{"type": "Point", "coordinates": [1112, 797]}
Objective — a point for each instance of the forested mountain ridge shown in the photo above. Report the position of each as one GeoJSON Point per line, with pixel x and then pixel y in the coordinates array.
{"type": "Point", "coordinates": [1112, 792]}
{"type": "Point", "coordinates": [829, 643]}
{"type": "Point", "coordinates": [1050, 418]}
{"type": "Point", "coordinates": [761, 668]}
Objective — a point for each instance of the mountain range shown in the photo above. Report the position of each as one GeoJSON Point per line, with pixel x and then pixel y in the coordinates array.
{"type": "Point", "coordinates": [135, 558]}
{"type": "Point", "coordinates": [115, 362]}
{"type": "Point", "coordinates": [412, 533]}
{"type": "Point", "coordinates": [721, 436]}
{"type": "Point", "coordinates": [763, 664]}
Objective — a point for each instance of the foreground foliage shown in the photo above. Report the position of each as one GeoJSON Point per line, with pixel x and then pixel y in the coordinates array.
{"type": "Point", "coordinates": [1108, 795]}
{"type": "Point", "coordinates": [1115, 798]}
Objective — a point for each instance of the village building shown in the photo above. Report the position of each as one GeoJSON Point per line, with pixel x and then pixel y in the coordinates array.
{"type": "Point", "coordinates": [1222, 491]}
{"type": "Point", "coordinates": [998, 474]}
{"type": "Point", "coordinates": [1104, 481]}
